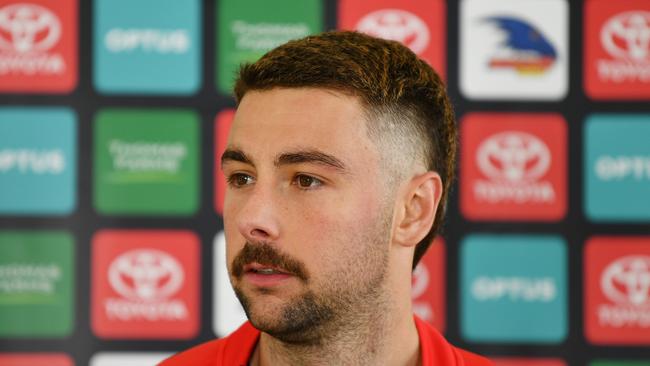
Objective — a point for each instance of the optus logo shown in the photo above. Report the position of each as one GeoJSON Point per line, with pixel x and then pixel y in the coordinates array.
{"type": "Point", "coordinates": [28, 28]}
{"type": "Point", "coordinates": [398, 25]}
{"type": "Point", "coordinates": [146, 275]}
{"type": "Point", "coordinates": [161, 41]}
{"type": "Point", "coordinates": [26, 161]}
{"type": "Point", "coordinates": [627, 281]}
{"type": "Point", "coordinates": [513, 287]}
{"type": "Point", "coordinates": [518, 288]}
{"type": "Point", "coordinates": [514, 157]}
{"type": "Point", "coordinates": [617, 167]}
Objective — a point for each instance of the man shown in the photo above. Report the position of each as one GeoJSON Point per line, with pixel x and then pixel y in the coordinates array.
{"type": "Point", "coordinates": [338, 163]}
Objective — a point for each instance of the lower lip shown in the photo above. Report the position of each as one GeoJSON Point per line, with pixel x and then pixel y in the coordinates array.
{"type": "Point", "coordinates": [266, 280]}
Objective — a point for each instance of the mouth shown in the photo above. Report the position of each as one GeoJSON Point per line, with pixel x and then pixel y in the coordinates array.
{"type": "Point", "coordinates": [265, 276]}
{"type": "Point", "coordinates": [263, 269]}
{"type": "Point", "coordinates": [264, 265]}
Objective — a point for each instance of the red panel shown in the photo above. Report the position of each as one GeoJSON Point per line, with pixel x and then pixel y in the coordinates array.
{"type": "Point", "coordinates": [420, 25]}
{"type": "Point", "coordinates": [145, 284]}
{"type": "Point", "coordinates": [617, 56]}
{"type": "Point", "coordinates": [43, 56]}
{"type": "Point", "coordinates": [513, 167]}
{"type": "Point", "coordinates": [617, 290]}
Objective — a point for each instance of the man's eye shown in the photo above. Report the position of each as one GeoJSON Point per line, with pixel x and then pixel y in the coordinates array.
{"type": "Point", "coordinates": [240, 180]}
{"type": "Point", "coordinates": [306, 181]}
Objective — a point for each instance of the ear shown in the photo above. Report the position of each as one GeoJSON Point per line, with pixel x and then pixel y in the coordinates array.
{"type": "Point", "coordinates": [419, 203]}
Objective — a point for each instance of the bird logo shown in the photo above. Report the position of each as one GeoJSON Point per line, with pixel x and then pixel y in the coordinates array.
{"type": "Point", "coordinates": [525, 49]}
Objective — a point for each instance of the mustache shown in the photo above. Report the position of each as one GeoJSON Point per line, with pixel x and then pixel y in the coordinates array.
{"type": "Point", "coordinates": [268, 255]}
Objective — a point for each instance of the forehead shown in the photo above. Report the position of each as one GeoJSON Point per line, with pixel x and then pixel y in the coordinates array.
{"type": "Point", "coordinates": [275, 120]}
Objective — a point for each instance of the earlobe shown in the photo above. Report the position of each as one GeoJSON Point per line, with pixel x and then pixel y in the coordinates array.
{"type": "Point", "coordinates": [420, 203]}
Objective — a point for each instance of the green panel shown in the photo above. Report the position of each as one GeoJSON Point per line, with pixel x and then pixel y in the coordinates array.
{"type": "Point", "coordinates": [249, 28]}
{"type": "Point", "coordinates": [146, 162]}
{"type": "Point", "coordinates": [36, 284]}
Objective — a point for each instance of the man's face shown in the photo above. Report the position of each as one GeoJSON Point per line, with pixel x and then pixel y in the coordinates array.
{"type": "Point", "coordinates": [307, 213]}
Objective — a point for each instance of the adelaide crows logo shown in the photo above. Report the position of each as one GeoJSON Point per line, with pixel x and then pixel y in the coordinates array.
{"type": "Point", "coordinates": [525, 49]}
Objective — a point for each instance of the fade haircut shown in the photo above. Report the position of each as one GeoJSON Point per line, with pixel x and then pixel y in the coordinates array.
{"type": "Point", "coordinates": [404, 100]}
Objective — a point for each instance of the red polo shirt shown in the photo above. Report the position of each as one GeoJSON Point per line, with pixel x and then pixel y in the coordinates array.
{"type": "Point", "coordinates": [236, 350]}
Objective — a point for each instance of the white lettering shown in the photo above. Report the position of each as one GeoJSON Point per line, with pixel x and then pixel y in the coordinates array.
{"type": "Point", "coordinates": [148, 40]}
{"type": "Point", "coordinates": [32, 161]}
{"type": "Point", "coordinates": [622, 167]}
{"type": "Point", "coordinates": [623, 71]}
{"type": "Point", "coordinates": [28, 278]}
{"type": "Point", "coordinates": [147, 156]}
{"type": "Point", "coordinates": [514, 288]}
{"type": "Point", "coordinates": [623, 316]}
{"type": "Point", "coordinates": [125, 310]}
{"type": "Point", "coordinates": [31, 64]}
{"type": "Point", "coordinates": [519, 193]}
{"type": "Point", "coordinates": [260, 37]}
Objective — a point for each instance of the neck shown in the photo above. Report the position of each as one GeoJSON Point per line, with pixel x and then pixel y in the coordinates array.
{"type": "Point", "coordinates": [382, 334]}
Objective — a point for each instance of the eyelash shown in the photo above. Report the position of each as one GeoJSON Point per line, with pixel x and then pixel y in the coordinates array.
{"type": "Point", "coordinates": [232, 181]}
{"type": "Point", "coordinates": [296, 181]}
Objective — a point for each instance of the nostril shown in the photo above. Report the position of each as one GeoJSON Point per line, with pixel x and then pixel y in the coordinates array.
{"type": "Point", "coordinates": [259, 233]}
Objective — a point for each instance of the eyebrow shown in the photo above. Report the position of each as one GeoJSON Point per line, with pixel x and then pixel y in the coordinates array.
{"type": "Point", "coordinates": [235, 155]}
{"type": "Point", "coordinates": [311, 156]}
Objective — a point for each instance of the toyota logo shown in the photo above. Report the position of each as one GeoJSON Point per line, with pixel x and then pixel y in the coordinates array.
{"type": "Point", "coordinates": [397, 25]}
{"type": "Point", "coordinates": [627, 35]}
{"type": "Point", "coordinates": [145, 275]}
{"type": "Point", "coordinates": [513, 157]}
{"type": "Point", "coordinates": [27, 28]}
{"type": "Point", "coordinates": [627, 280]}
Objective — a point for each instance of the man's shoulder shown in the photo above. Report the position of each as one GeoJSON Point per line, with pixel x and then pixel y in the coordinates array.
{"type": "Point", "coordinates": [234, 349]}
{"type": "Point", "coordinates": [435, 350]}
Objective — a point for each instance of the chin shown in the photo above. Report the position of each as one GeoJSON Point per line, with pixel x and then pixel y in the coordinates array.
{"type": "Point", "coordinates": [297, 321]}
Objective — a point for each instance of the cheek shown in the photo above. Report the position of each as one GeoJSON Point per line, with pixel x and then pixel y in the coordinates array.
{"type": "Point", "coordinates": [334, 227]}
{"type": "Point", "coordinates": [234, 241]}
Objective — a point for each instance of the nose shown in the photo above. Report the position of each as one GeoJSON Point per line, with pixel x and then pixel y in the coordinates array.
{"type": "Point", "coordinates": [258, 217]}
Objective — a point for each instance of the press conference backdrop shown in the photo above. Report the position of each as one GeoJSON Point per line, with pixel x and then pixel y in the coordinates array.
{"type": "Point", "coordinates": [113, 114]}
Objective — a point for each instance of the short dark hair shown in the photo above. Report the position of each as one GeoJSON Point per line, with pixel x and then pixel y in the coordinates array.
{"type": "Point", "coordinates": [390, 81]}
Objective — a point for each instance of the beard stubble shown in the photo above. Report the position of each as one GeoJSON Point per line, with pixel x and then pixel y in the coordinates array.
{"type": "Point", "coordinates": [353, 294]}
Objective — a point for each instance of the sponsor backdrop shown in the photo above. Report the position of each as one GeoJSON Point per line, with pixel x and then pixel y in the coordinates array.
{"type": "Point", "coordinates": [113, 114]}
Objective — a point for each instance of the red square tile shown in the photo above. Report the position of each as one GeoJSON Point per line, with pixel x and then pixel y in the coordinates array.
{"type": "Point", "coordinates": [617, 51]}
{"type": "Point", "coordinates": [38, 46]}
{"type": "Point", "coordinates": [617, 290]}
{"type": "Point", "coordinates": [420, 25]}
{"type": "Point", "coordinates": [145, 284]}
{"type": "Point", "coordinates": [513, 167]}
